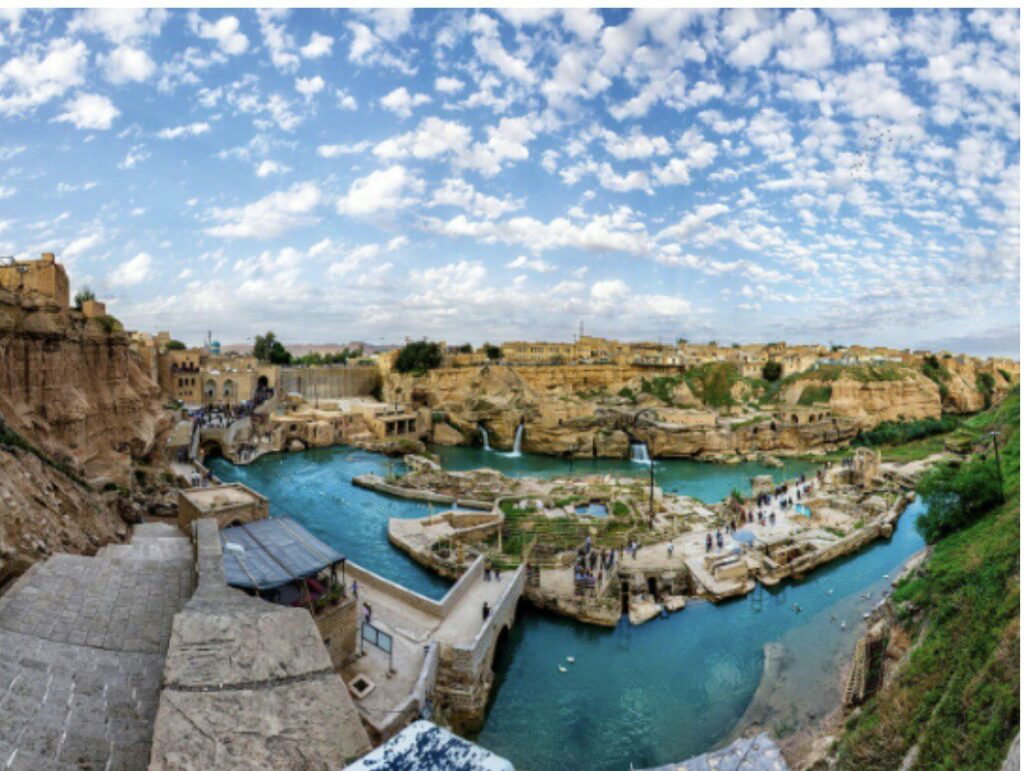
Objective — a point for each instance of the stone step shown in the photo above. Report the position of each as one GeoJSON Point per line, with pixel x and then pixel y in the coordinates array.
{"type": "Point", "coordinates": [157, 530]}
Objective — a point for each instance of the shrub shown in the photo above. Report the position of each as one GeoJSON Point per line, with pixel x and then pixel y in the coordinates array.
{"type": "Point", "coordinates": [957, 496]}
{"type": "Point", "coordinates": [110, 324]}
{"type": "Point", "coordinates": [418, 356]}
{"type": "Point", "coordinates": [175, 345]}
{"type": "Point", "coordinates": [897, 432]}
{"type": "Point", "coordinates": [82, 296]}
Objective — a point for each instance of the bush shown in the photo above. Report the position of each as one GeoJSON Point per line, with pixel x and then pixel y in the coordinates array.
{"type": "Point", "coordinates": [771, 371]}
{"type": "Point", "coordinates": [82, 296]}
{"type": "Point", "coordinates": [493, 352]}
{"type": "Point", "coordinates": [896, 432]}
{"type": "Point", "coordinates": [957, 496]}
{"type": "Point", "coordinates": [986, 384]}
{"type": "Point", "coordinates": [175, 345]}
{"type": "Point", "coordinates": [418, 356]}
{"type": "Point", "coordinates": [813, 394]}
{"type": "Point", "coordinates": [110, 324]}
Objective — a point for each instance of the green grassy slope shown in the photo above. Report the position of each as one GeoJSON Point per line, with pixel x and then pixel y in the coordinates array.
{"type": "Point", "coordinates": [958, 696]}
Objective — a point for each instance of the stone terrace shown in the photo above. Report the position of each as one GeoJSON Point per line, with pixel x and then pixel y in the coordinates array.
{"type": "Point", "coordinates": [84, 640]}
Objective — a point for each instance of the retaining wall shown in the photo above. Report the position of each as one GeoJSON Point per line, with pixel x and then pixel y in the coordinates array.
{"type": "Point", "coordinates": [335, 382]}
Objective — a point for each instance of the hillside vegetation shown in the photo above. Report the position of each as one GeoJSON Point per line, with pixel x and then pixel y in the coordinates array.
{"type": "Point", "coordinates": [957, 696]}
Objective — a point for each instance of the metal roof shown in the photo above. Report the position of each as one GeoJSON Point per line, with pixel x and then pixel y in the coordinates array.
{"type": "Point", "coordinates": [272, 552]}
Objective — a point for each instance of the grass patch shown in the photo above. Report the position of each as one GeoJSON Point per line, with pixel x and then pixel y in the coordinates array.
{"type": "Point", "coordinates": [958, 695]}
{"type": "Point", "coordinates": [712, 382]}
{"type": "Point", "coordinates": [815, 394]}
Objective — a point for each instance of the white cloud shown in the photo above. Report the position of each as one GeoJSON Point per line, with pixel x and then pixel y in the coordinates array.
{"type": "Point", "coordinates": [538, 265]}
{"type": "Point", "coordinates": [382, 191]}
{"type": "Point", "coordinates": [448, 85]}
{"type": "Point", "coordinates": [318, 45]}
{"type": "Point", "coordinates": [136, 155]}
{"type": "Point", "coordinates": [462, 194]}
{"type": "Point", "coordinates": [90, 112]}
{"type": "Point", "coordinates": [345, 100]}
{"type": "Point", "coordinates": [335, 151]}
{"type": "Point", "coordinates": [187, 130]}
{"type": "Point", "coordinates": [268, 167]}
{"type": "Point", "coordinates": [120, 25]}
{"type": "Point", "coordinates": [270, 216]}
{"type": "Point", "coordinates": [309, 87]}
{"type": "Point", "coordinates": [126, 64]}
{"type": "Point", "coordinates": [32, 79]}
{"type": "Point", "coordinates": [133, 271]}
{"type": "Point", "coordinates": [401, 102]}
{"type": "Point", "coordinates": [224, 31]}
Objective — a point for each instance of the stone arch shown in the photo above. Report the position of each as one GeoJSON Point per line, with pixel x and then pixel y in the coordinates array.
{"type": "Point", "coordinates": [810, 418]}
{"type": "Point", "coordinates": [211, 448]}
{"type": "Point", "coordinates": [795, 418]}
{"type": "Point", "coordinates": [262, 383]}
{"type": "Point", "coordinates": [210, 389]}
{"type": "Point", "coordinates": [229, 390]}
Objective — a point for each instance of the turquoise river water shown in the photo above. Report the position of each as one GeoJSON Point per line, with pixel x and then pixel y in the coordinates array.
{"type": "Point", "coordinates": [646, 695]}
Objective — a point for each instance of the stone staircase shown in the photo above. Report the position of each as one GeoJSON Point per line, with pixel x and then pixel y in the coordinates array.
{"type": "Point", "coordinates": [82, 648]}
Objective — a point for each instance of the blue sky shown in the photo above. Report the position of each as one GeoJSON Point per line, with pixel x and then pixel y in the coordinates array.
{"type": "Point", "coordinates": [747, 175]}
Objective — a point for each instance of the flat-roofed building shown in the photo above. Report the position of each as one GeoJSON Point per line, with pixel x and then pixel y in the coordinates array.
{"type": "Point", "coordinates": [44, 276]}
{"type": "Point", "coordinates": [229, 504]}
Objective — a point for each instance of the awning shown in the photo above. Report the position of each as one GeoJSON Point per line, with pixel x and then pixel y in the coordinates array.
{"type": "Point", "coordinates": [272, 552]}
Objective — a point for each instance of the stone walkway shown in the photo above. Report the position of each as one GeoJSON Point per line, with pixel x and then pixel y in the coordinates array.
{"type": "Point", "coordinates": [83, 641]}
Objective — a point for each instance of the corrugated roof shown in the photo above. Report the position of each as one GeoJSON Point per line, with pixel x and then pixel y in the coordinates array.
{"type": "Point", "coordinates": [271, 552]}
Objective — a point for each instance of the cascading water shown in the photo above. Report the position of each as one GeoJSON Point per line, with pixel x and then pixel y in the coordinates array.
{"type": "Point", "coordinates": [485, 438]}
{"type": "Point", "coordinates": [517, 443]}
{"type": "Point", "coordinates": [638, 453]}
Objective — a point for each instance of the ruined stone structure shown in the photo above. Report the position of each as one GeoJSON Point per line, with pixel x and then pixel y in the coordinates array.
{"type": "Point", "coordinates": [43, 277]}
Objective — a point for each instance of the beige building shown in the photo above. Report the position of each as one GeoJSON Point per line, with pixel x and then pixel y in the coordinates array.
{"type": "Point", "coordinates": [231, 504]}
{"type": "Point", "coordinates": [43, 276]}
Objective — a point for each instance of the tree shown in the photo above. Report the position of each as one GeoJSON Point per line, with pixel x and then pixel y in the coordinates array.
{"type": "Point", "coordinates": [465, 348]}
{"type": "Point", "coordinates": [269, 349]}
{"type": "Point", "coordinates": [418, 356]}
{"type": "Point", "coordinates": [175, 345]}
{"type": "Point", "coordinates": [493, 352]}
{"type": "Point", "coordinates": [957, 496]}
{"type": "Point", "coordinates": [771, 371]}
{"type": "Point", "coordinates": [82, 296]}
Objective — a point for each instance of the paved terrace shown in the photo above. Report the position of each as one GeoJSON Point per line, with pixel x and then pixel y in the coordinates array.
{"type": "Point", "coordinates": [83, 641]}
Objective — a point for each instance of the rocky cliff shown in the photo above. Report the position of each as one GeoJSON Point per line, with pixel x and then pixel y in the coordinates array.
{"type": "Point", "coordinates": [72, 387]}
{"type": "Point", "coordinates": [76, 412]}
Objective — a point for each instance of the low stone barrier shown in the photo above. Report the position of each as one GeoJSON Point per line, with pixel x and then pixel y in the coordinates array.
{"type": "Point", "coordinates": [431, 607]}
{"type": "Point", "coordinates": [379, 485]}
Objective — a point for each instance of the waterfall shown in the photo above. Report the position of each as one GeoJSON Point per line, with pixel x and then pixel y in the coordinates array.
{"type": "Point", "coordinates": [486, 439]}
{"type": "Point", "coordinates": [518, 443]}
{"type": "Point", "coordinates": [638, 453]}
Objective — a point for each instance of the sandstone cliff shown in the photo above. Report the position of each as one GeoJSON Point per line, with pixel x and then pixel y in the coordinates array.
{"type": "Point", "coordinates": [911, 396]}
{"type": "Point", "coordinates": [75, 412]}
{"type": "Point", "coordinates": [74, 389]}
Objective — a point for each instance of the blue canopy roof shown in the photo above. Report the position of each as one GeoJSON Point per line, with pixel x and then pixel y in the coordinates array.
{"type": "Point", "coordinates": [272, 552]}
{"type": "Point", "coordinates": [744, 536]}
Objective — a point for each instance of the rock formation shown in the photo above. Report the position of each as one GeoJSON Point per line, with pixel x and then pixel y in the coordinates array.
{"type": "Point", "coordinates": [75, 411]}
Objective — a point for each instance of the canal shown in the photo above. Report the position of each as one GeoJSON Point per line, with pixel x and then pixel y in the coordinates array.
{"type": "Point", "coordinates": [646, 695]}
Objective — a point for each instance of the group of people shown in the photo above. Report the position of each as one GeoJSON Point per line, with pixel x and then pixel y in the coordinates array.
{"type": "Point", "coordinates": [590, 567]}
{"type": "Point", "coordinates": [489, 571]}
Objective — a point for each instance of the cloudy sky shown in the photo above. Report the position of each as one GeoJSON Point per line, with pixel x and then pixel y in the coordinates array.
{"type": "Point", "coordinates": [337, 175]}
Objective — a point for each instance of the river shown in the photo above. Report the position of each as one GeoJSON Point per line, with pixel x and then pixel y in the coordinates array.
{"type": "Point", "coordinates": [646, 695]}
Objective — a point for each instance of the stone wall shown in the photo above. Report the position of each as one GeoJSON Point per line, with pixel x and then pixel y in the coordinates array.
{"type": "Point", "coordinates": [334, 382]}
{"type": "Point", "coordinates": [249, 684]}
{"type": "Point", "coordinates": [339, 628]}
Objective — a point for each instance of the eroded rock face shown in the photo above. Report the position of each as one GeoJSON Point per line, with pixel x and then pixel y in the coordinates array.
{"type": "Point", "coordinates": [78, 395]}
{"type": "Point", "coordinates": [868, 403]}
{"type": "Point", "coordinates": [76, 391]}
